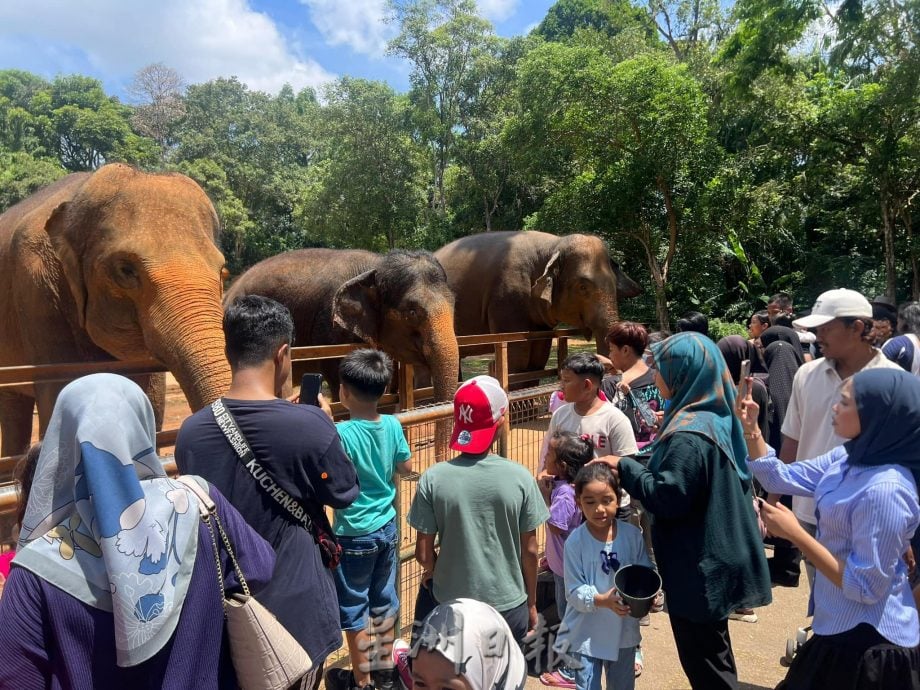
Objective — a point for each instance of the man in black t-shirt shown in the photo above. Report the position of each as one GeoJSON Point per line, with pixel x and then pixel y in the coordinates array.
{"type": "Point", "coordinates": [300, 449]}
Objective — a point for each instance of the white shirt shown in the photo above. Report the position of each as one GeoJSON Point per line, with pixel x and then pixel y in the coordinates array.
{"type": "Point", "coordinates": [815, 389]}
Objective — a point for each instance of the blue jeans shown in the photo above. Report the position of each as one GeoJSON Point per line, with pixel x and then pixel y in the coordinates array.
{"type": "Point", "coordinates": [365, 580]}
{"type": "Point", "coordinates": [621, 673]}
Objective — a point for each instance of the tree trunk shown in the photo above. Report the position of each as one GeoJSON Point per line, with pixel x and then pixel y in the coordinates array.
{"type": "Point", "coordinates": [486, 213]}
{"type": "Point", "coordinates": [891, 276]}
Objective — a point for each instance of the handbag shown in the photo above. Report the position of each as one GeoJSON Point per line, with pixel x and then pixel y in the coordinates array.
{"type": "Point", "coordinates": [317, 525]}
{"type": "Point", "coordinates": [265, 655]}
{"type": "Point", "coordinates": [644, 411]}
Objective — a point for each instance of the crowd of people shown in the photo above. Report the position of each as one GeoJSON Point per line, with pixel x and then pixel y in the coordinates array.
{"type": "Point", "coordinates": [676, 456]}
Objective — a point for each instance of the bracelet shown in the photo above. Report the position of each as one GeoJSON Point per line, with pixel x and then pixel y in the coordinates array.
{"type": "Point", "coordinates": [752, 436]}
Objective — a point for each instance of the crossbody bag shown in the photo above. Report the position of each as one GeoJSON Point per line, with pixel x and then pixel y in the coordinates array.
{"type": "Point", "coordinates": [317, 525]}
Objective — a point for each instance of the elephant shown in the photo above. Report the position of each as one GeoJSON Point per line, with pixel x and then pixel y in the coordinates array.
{"type": "Point", "coordinates": [528, 281]}
{"type": "Point", "coordinates": [113, 264]}
{"type": "Point", "coordinates": [398, 302]}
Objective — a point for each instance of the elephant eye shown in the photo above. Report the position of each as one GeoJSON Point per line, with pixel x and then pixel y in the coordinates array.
{"type": "Point", "coordinates": [126, 274]}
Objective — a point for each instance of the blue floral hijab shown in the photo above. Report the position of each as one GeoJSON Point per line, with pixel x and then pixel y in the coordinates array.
{"type": "Point", "coordinates": [888, 403]}
{"type": "Point", "coordinates": [702, 396]}
{"type": "Point", "coordinates": [103, 522]}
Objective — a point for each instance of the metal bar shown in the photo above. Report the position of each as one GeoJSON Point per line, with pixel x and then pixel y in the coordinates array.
{"type": "Point", "coordinates": [33, 373]}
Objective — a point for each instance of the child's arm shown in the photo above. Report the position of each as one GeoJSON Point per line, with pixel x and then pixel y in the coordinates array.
{"type": "Point", "coordinates": [404, 468]}
{"type": "Point", "coordinates": [581, 595]}
{"type": "Point", "coordinates": [529, 563]}
{"type": "Point", "coordinates": [425, 554]}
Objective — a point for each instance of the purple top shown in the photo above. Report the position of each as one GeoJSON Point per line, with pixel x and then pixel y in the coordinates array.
{"type": "Point", "coordinates": [49, 639]}
{"type": "Point", "coordinates": [564, 514]}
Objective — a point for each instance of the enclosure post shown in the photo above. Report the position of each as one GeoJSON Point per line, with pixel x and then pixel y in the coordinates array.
{"type": "Point", "coordinates": [501, 373]}
{"type": "Point", "coordinates": [562, 350]}
{"type": "Point", "coordinates": [406, 386]}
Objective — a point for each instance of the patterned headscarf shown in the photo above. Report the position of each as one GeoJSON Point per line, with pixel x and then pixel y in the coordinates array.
{"type": "Point", "coordinates": [103, 522]}
{"type": "Point", "coordinates": [477, 640]}
{"type": "Point", "coordinates": [702, 396]}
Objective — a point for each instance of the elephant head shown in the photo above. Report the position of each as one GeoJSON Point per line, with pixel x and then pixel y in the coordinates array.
{"type": "Point", "coordinates": [139, 255]}
{"type": "Point", "coordinates": [580, 285]}
{"type": "Point", "coordinates": [405, 307]}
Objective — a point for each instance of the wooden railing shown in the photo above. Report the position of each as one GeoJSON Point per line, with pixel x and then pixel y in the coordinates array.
{"type": "Point", "coordinates": [405, 399]}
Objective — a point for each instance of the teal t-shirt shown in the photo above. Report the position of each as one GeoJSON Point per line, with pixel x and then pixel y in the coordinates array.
{"type": "Point", "coordinates": [375, 448]}
{"type": "Point", "coordinates": [479, 509]}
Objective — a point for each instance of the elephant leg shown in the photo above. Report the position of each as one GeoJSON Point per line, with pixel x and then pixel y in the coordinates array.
{"type": "Point", "coordinates": [15, 422]}
{"type": "Point", "coordinates": [154, 385]}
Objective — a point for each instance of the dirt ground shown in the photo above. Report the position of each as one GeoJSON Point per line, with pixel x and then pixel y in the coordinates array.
{"type": "Point", "coordinates": [758, 646]}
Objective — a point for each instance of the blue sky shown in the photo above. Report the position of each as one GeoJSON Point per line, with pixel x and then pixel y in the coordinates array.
{"type": "Point", "coordinates": [266, 43]}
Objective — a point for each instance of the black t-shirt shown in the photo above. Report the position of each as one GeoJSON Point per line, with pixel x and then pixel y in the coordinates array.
{"type": "Point", "coordinates": [300, 448]}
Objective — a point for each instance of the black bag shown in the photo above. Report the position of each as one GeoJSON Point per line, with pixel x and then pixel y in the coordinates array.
{"type": "Point", "coordinates": [317, 524]}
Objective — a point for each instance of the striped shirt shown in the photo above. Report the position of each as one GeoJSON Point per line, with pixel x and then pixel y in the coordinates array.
{"type": "Point", "coordinates": [866, 517]}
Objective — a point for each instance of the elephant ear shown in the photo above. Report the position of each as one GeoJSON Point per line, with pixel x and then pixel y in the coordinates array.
{"type": "Point", "coordinates": [543, 288]}
{"type": "Point", "coordinates": [356, 306]}
{"type": "Point", "coordinates": [56, 228]}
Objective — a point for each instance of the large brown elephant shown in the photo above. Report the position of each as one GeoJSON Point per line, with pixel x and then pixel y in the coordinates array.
{"type": "Point", "coordinates": [399, 302]}
{"type": "Point", "coordinates": [527, 281]}
{"type": "Point", "coordinates": [112, 264]}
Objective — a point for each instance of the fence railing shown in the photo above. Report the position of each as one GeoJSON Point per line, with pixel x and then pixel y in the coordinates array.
{"type": "Point", "coordinates": [520, 439]}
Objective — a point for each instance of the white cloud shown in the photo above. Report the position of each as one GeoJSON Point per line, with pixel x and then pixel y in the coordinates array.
{"type": "Point", "coordinates": [359, 24]}
{"type": "Point", "coordinates": [497, 10]}
{"type": "Point", "coordinates": [202, 39]}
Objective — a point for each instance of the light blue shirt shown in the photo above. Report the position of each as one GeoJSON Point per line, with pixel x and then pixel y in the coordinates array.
{"type": "Point", "coordinates": [375, 448]}
{"type": "Point", "coordinates": [866, 517]}
{"type": "Point", "coordinates": [597, 632]}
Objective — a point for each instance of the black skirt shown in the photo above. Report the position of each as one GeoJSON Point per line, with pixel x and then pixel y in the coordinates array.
{"type": "Point", "coordinates": [858, 659]}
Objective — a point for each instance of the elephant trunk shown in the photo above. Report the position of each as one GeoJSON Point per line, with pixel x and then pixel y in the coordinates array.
{"type": "Point", "coordinates": [442, 354]}
{"type": "Point", "coordinates": [604, 317]}
{"type": "Point", "coordinates": [185, 332]}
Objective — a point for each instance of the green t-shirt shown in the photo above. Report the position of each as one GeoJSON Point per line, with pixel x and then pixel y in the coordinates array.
{"type": "Point", "coordinates": [375, 448]}
{"type": "Point", "coordinates": [479, 509]}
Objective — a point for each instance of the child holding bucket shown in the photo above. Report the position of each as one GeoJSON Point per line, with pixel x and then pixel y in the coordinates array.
{"type": "Point", "coordinates": [566, 454]}
{"type": "Point", "coordinates": [599, 631]}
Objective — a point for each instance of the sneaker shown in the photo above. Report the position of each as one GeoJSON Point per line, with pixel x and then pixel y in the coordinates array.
{"type": "Point", "coordinates": [743, 615]}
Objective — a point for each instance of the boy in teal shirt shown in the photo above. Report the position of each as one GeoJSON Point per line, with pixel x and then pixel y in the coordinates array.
{"type": "Point", "coordinates": [365, 579]}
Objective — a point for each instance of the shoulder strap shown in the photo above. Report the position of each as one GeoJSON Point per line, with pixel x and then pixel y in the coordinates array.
{"type": "Point", "coordinates": [289, 505]}
{"type": "Point", "coordinates": [206, 504]}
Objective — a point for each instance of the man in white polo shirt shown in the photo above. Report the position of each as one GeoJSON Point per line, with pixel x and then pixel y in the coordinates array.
{"type": "Point", "coordinates": [843, 320]}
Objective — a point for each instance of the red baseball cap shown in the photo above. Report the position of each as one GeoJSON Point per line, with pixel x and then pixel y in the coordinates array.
{"type": "Point", "coordinates": [479, 405]}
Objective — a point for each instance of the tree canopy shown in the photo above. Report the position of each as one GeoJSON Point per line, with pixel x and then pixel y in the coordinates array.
{"type": "Point", "coordinates": [722, 150]}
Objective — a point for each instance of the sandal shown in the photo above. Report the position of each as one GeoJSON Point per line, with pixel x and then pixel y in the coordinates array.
{"type": "Point", "coordinates": [638, 666]}
{"type": "Point", "coordinates": [556, 680]}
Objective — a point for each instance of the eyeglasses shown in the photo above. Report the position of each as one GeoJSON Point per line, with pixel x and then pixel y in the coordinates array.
{"type": "Point", "coordinates": [609, 562]}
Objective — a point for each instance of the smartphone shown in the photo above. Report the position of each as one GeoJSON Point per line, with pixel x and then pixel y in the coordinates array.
{"type": "Point", "coordinates": [310, 386]}
{"type": "Point", "coordinates": [742, 380]}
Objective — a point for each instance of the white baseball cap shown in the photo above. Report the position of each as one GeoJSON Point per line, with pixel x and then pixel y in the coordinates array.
{"type": "Point", "coordinates": [836, 304]}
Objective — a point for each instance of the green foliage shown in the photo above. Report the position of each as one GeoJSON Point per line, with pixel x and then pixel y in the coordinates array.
{"type": "Point", "coordinates": [719, 329]}
{"type": "Point", "coordinates": [724, 151]}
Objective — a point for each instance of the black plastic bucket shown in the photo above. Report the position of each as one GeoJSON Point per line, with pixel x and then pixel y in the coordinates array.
{"type": "Point", "coordinates": [637, 586]}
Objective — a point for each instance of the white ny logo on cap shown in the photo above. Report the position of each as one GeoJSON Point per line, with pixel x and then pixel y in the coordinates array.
{"type": "Point", "coordinates": [466, 414]}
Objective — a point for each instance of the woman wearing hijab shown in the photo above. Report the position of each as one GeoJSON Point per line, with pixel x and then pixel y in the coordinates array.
{"type": "Point", "coordinates": [466, 645]}
{"type": "Point", "coordinates": [698, 490]}
{"type": "Point", "coordinates": [114, 583]}
{"type": "Point", "coordinates": [866, 629]}
{"type": "Point", "coordinates": [735, 350]}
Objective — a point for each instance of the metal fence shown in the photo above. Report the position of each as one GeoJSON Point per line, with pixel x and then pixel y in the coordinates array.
{"type": "Point", "coordinates": [520, 440]}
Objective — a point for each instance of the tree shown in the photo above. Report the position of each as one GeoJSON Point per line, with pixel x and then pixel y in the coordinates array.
{"type": "Point", "coordinates": [368, 190]}
{"type": "Point", "coordinates": [638, 147]}
{"type": "Point", "coordinates": [158, 90]}
{"type": "Point", "coordinates": [442, 39]}
{"type": "Point", "coordinates": [609, 17]}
